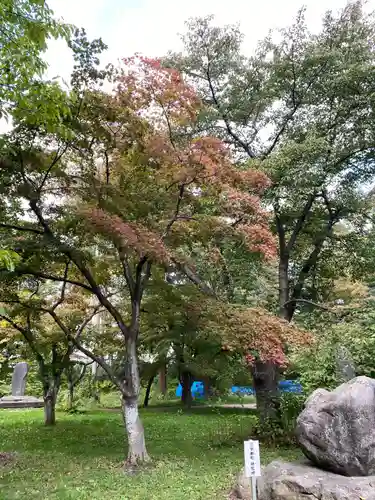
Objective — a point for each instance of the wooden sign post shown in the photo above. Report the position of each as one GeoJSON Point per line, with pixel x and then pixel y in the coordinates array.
{"type": "Point", "coordinates": [252, 464]}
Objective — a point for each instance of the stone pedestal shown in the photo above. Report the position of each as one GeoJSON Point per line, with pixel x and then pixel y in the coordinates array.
{"type": "Point", "coordinates": [14, 402]}
{"type": "Point", "coordinates": [302, 481]}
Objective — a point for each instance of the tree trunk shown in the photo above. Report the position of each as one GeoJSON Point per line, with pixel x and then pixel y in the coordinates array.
{"type": "Point", "coordinates": [284, 290]}
{"type": "Point", "coordinates": [163, 380]}
{"type": "Point", "coordinates": [207, 387]}
{"type": "Point", "coordinates": [148, 391]}
{"type": "Point", "coordinates": [265, 376]}
{"type": "Point", "coordinates": [137, 453]}
{"type": "Point", "coordinates": [50, 397]}
{"type": "Point", "coordinates": [70, 395]}
{"type": "Point", "coordinates": [186, 382]}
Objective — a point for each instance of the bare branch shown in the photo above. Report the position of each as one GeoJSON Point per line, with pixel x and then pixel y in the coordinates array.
{"type": "Point", "coordinates": [310, 302]}
{"type": "Point", "coordinates": [88, 353]}
{"type": "Point", "coordinates": [27, 335]}
{"type": "Point", "coordinates": [63, 288]}
{"type": "Point", "coordinates": [194, 278]}
{"type": "Point", "coordinates": [127, 272]}
{"type": "Point", "coordinates": [223, 115]}
{"type": "Point", "coordinates": [98, 309]}
{"type": "Point", "coordinates": [57, 157]}
{"type": "Point", "coordinates": [300, 222]}
{"type": "Point", "coordinates": [176, 213]}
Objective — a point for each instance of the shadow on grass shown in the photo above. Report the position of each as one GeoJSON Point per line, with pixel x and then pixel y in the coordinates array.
{"type": "Point", "coordinates": [199, 410]}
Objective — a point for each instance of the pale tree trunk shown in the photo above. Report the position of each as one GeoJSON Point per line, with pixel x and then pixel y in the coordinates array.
{"type": "Point", "coordinates": [137, 452]}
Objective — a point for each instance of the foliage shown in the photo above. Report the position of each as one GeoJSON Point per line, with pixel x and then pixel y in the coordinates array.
{"type": "Point", "coordinates": [26, 26]}
{"type": "Point", "coordinates": [184, 191]}
{"type": "Point", "coordinates": [8, 259]}
{"type": "Point", "coordinates": [300, 109]}
{"type": "Point", "coordinates": [197, 455]}
{"type": "Point", "coordinates": [291, 406]}
{"type": "Point", "coordinates": [345, 323]}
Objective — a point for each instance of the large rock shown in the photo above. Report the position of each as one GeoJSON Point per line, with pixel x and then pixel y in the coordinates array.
{"type": "Point", "coordinates": [336, 430]}
{"type": "Point", "coordinates": [288, 481]}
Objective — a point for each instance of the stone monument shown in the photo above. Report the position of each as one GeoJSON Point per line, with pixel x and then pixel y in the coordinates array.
{"type": "Point", "coordinates": [18, 398]}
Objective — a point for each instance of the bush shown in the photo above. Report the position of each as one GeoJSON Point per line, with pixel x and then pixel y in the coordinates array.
{"type": "Point", "coordinates": [291, 405]}
{"type": "Point", "coordinates": [281, 432]}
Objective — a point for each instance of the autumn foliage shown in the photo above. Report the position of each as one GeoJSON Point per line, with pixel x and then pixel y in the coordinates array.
{"type": "Point", "coordinates": [254, 332]}
{"type": "Point", "coordinates": [187, 171]}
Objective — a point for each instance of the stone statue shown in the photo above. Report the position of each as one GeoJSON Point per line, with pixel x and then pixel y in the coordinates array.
{"type": "Point", "coordinates": [19, 378]}
{"type": "Point", "coordinates": [18, 398]}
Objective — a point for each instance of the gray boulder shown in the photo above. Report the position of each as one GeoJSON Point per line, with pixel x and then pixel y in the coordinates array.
{"type": "Point", "coordinates": [288, 481]}
{"type": "Point", "coordinates": [336, 430]}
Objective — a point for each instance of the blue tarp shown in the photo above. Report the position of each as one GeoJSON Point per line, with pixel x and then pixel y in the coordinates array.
{"type": "Point", "coordinates": [197, 389]}
{"type": "Point", "coordinates": [284, 386]}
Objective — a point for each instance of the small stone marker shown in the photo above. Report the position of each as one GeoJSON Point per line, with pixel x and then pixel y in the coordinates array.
{"type": "Point", "coordinates": [19, 379]}
{"type": "Point", "coordinates": [252, 464]}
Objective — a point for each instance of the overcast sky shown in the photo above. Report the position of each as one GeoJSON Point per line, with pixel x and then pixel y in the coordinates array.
{"type": "Point", "coordinates": [152, 26]}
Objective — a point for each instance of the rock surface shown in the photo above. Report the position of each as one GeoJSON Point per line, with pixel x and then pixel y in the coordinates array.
{"type": "Point", "coordinates": [242, 488]}
{"type": "Point", "coordinates": [336, 430]}
{"type": "Point", "coordinates": [288, 481]}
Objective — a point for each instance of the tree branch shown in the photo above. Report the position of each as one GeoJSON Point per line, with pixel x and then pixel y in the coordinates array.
{"type": "Point", "coordinates": [50, 277]}
{"type": "Point", "coordinates": [27, 335]}
{"type": "Point", "coordinates": [310, 302]}
{"type": "Point", "coordinates": [73, 255]}
{"type": "Point", "coordinates": [127, 272]}
{"type": "Point", "coordinates": [89, 353]}
{"type": "Point", "coordinates": [300, 222]}
{"type": "Point", "coordinates": [21, 228]}
{"type": "Point", "coordinates": [223, 115]}
{"type": "Point", "coordinates": [194, 278]}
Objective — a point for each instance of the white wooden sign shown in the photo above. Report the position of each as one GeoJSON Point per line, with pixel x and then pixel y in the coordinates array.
{"type": "Point", "coordinates": [252, 459]}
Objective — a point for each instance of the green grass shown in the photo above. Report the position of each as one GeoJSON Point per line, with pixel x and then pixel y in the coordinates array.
{"type": "Point", "coordinates": [196, 455]}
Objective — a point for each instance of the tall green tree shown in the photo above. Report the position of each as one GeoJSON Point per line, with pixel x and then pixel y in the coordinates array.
{"type": "Point", "coordinates": [302, 110]}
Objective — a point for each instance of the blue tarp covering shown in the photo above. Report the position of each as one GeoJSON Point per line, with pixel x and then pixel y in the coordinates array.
{"type": "Point", "coordinates": [284, 386]}
{"type": "Point", "coordinates": [197, 389]}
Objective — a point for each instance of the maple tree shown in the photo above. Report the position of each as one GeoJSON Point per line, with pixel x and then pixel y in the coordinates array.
{"type": "Point", "coordinates": [205, 338]}
{"type": "Point", "coordinates": [301, 110]}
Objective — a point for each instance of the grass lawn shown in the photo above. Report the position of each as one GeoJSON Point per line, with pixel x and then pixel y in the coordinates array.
{"type": "Point", "coordinates": [196, 455]}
